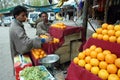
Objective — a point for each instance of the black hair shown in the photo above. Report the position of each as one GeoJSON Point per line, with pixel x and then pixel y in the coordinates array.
{"type": "Point", "coordinates": [18, 9]}
{"type": "Point", "coordinates": [43, 13]}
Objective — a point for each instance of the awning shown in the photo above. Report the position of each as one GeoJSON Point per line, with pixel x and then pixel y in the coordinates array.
{"type": "Point", "coordinates": [7, 10]}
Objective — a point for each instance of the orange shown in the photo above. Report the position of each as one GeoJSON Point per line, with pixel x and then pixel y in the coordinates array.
{"type": "Point", "coordinates": [37, 53]}
{"type": "Point", "coordinates": [44, 55]}
{"type": "Point", "coordinates": [118, 72]}
{"type": "Point", "coordinates": [41, 56]}
{"type": "Point", "coordinates": [92, 48]}
{"type": "Point", "coordinates": [112, 69]}
{"type": "Point", "coordinates": [36, 56]}
{"type": "Point", "coordinates": [99, 30]}
{"type": "Point", "coordinates": [103, 74]}
{"type": "Point", "coordinates": [100, 36]}
{"type": "Point", "coordinates": [100, 56]}
{"type": "Point", "coordinates": [93, 54]}
{"type": "Point", "coordinates": [94, 62]}
{"type": "Point", "coordinates": [87, 59]}
{"type": "Point", "coordinates": [117, 62]}
{"type": "Point", "coordinates": [83, 51]}
{"type": "Point", "coordinates": [88, 67]}
{"type": "Point", "coordinates": [87, 52]}
{"type": "Point", "coordinates": [95, 70]}
{"type": "Point", "coordinates": [110, 27]}
{"type": "Point", "coordinates": [112, 39]}
{"type": "Point", "coordinates": [75, 60]}
{"type": "Point", "coordinates": [39, 50]}
{"type": "Point", "coordinates": [117, 28]}
{"type": "Point", "coordinates": [81, 63]}
{"type": "Point", "coordinates": [118, 40]}
{"type": "Point", "coordinates": [117, 33]}
{"type": "Point", "coordinates": [42, 52]}
{"type": "Point", "coordinates": [98, 49]}
{"type": "Point", "coordinates": [109, 58]}
{"type": "Point", "coordinates": [105, 52]}
{"type": "Point", "coordinates": [105, 37]}
{"type": "Point", "coordinates": [114, 55]}
{"type": "Point", "coordinates": [113, 77]}
{"type": "Point", "coordinates": [104, 26]}
{"type": "Point", "coordinates": [94, 35]}
{"type": "Point", "coordinates": [103, 65]}
{"type": "Point", "coordinates": [81, 55]}
{"type": "Point", "coordinates": [104, 31]}
{"type": "Point", "coordinates": [111, 32]}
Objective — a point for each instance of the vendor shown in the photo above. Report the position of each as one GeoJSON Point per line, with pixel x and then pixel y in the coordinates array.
{"type": "Point", "coordinates": [20, 43]}
{"type": "Point", "coordinates": [43, 27]}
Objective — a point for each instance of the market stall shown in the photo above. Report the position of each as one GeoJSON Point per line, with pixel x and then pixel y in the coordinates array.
{"type": "Point", "coordinates": [65, 37]}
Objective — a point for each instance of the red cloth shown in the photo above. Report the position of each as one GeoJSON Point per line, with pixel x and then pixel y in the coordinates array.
{"type": "Point", "coordinates": [49, 48]}
{"type": "Point", "coordinates": [113, 47]}
{"type": "Point", "coordinates": [76, 72]}
{"type": "Point", "coordinates": [60, 33]}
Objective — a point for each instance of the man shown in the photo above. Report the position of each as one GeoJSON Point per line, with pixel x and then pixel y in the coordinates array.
{"type": "Point", "coordinates": [43, 27]}
{"type": "Point", "coordinates": [20, 43]}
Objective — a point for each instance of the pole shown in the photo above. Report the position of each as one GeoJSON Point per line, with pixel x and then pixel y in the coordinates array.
{"type": "Point", "coordinates": [85, 16]}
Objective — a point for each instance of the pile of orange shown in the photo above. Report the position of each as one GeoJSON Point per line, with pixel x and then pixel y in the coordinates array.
{"type": "Point", "coordinates": [43, 36]}
{"type": "Point", "coordinates": [54, 40]}
{"type": "Point", "coordinates": [108, 32]}
{"type": "Point", "coordinates": [59, 25]}
{"type": "Point", "coordinates": [100, 62]}
{"type": "Point", "coordinates": [38, 53]}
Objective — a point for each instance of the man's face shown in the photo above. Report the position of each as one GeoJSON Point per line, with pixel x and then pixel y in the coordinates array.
{"type": "Point", "coordinates": [21, 17]}
{"type": "Point", "coordinates": [44, 17]}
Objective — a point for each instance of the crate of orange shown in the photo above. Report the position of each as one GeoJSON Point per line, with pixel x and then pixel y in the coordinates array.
{"type": "Point", "coordinates": [36, 55]}
{"type": "Point", "coordinates": [100, 58]}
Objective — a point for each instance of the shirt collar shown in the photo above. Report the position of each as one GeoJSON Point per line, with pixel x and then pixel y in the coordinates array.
{"type": "Point", "coordinates": [19, 23]}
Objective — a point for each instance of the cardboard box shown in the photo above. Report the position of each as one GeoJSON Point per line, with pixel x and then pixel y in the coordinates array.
{"type": "Point", "coordinates": [74, 47]}
{"type": "Point", "coordinates": [71, 37]}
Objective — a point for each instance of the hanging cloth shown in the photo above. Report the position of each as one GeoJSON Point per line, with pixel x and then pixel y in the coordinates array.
{"type": "Point", "coordinates": [101, 4]}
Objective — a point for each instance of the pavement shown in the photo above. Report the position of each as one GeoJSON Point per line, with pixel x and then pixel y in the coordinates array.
{"type": "Point", "coordinates": [6, 66]}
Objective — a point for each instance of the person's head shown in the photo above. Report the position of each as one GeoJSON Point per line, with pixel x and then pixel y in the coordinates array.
{"type": "Point", "coordinates": [44, 16]}
{"type": "Point", "coordinates": [20, 13]}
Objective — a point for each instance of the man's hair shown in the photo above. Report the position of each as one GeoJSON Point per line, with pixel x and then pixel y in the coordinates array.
{"type": "Point", "coordinates": [18, 9]}
{"type": "Point", "coordinates": [43, 13]}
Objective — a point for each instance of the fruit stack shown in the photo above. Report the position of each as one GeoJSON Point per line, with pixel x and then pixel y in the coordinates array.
{"type": "Point", "coordinates": [108, 32]}
{"type": "Point", "coordinates": [59, 25]}
{"type": "Point", "coordinates": [102, 63]}
{"type": "Point", "coordinates": [38, 53]}
{"type": "Point", "coordinates": [54, 40]}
